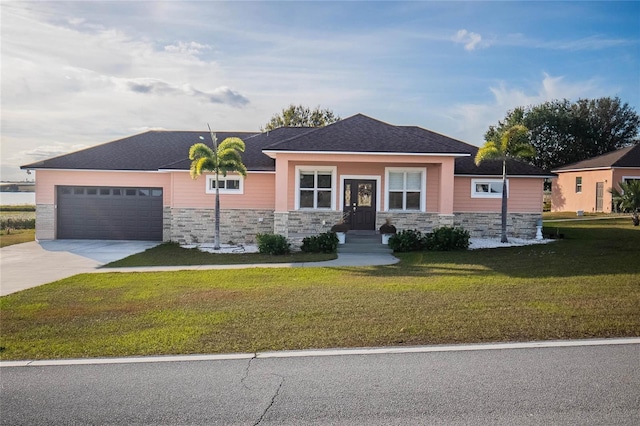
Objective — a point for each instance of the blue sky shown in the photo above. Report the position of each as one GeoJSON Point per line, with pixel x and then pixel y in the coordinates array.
{"type": "Point", "coordinates": [76, 74]}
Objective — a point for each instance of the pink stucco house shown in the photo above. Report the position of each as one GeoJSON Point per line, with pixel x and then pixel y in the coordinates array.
{"type": "Point", "coordinates": [300, 181]}
{"type": "Point", "coordinates": [584, 186]}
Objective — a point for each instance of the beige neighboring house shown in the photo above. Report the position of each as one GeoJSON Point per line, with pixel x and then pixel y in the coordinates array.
{"type": "Point", "coordinates": [300, 181]}
{"type": "Point", "coordinates": [584, 186]}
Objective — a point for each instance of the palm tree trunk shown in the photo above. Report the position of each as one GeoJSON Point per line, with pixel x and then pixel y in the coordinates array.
{"type": "Point", "coordinates": [216, 238]}
{"type": "Point", "coordinates": [504, 202]}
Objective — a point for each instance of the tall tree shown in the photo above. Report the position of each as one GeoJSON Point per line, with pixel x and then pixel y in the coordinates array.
{"type": "Point", "coordinates": [627, 199]}
{"type": "Point", "coordinates": [301, 116]}
{"type": "Point", "coordinates": [220, 160]}
{"type": "Point", "coordinates": [513, 143]}
{"type": "Point", "coordinates": [563, 132]}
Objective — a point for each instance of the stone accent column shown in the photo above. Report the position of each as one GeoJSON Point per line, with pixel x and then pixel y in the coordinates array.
{"type": "Point", "coordinates": [45, 222]}
{"type": "Point", "coordinates": [281, 223]}
{"type": "Point", "coordinates": [166, 223]}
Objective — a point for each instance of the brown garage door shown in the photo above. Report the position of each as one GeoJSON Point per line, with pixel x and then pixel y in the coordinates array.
{"type": "Point", "coordinates": [109, 213]}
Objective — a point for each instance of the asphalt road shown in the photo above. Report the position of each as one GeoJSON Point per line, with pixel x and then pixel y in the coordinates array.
{"type": "Point", "coordinates": [556, 385]}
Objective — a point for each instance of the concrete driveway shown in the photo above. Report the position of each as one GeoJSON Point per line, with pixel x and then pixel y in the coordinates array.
{"type": "Point", "coordinates": [32, 264]}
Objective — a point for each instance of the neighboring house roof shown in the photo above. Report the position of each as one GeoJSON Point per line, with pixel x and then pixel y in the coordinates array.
{"type": "Point", "coordinates": [168, 150]}
{"type": "Point", "coordinates": [624, 157]}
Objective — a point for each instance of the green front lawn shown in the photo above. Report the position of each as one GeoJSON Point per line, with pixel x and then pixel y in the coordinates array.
{"type": "Point", "coordinates": [171, 254]}
{"type": "Point", "coordinates": [586, 285]}
{"type": "Point", "coordinates": [17, 236]}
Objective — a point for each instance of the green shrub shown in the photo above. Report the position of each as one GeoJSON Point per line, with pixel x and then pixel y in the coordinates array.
{"type": "Point", "coordinates": [273, 244]}
{"type": "Point", "coordinates": [323, 243]}
{"type": "Point", "coordinates": [448, 238]}
{"type": "Point", "coordinates": [15, 223]}
{"type": "Point", "coordinates": [407, 240]}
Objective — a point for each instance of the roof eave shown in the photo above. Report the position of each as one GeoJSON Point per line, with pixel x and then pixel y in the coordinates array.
{"type": "Point", "coordinates": [272, 153]}
{"type": "Point", "coordinates": [545, 176]}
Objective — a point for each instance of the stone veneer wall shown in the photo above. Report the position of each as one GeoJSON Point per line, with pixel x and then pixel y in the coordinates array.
{"type": "Point", "coordinates": [482, 225]}
{"type": "Point", "coordinates": [301, 223]}
{"type": "Point", "coordinates": [237, 225]}
{"type": "Point", "coordinates": [424, 222]}
{"type": "Point", "coordinates": [45, 222]}
{"type": "Point", "coordinates": [479, 225]}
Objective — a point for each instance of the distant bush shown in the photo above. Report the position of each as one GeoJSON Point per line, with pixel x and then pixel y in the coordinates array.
{"type": "Point", "coordinates": [448, 238]}
{"type": "Point", "coordinates": [14, 223]}
{"type": "Point", "coordinates": [273, 244]}
{"type": "Point", "coordinates": [407, 240]}
{"type": "Point", "coordinates": [22, 208]}
{"type": "Point", "coordinates": [323, 243]}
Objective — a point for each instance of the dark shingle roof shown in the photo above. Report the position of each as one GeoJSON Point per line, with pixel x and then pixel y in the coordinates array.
{"type": "Point", "coordinates": [625, 157]}
{"type": "Point", "coordinates": [151, 150]}
{"type": "Point", "coordinates": [360, 133]}
{"type": "Point", "coordinates": [467, 166]}
{"type": "Point", "coordinates": [168, 150]}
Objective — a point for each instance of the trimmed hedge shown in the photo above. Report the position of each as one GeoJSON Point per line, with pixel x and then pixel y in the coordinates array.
{"type": "Point", "coordinates": [273, 244]}
{"type": "Point", "coordinates": [440, 239]}
{"type": "Point", "coordinates": [323, 243]}
{"type": "Point", "coordinates": [448, 238]}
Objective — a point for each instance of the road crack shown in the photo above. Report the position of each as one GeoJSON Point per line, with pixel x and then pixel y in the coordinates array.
{"type": "Point", "coordinates": [246, 372]}
{"type": "Point", "coordinates": [273, 400]}
{"type": "Point", "coordinates": [245, 377]}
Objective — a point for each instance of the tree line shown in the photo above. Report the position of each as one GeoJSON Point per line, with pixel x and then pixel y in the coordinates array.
{"type": "Point", "coordinates": [564, 132]}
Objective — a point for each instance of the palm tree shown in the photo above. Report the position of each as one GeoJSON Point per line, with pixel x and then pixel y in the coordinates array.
{"type": "Point", "coordinates": [628, 198]}
{"type": "Point", "coordinates": [513, 143]}
{"type": "Point", "coordinates": [222, 159]}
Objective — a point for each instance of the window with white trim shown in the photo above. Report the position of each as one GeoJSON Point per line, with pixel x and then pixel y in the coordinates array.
{"type": "Point", "coordinates": [406, 189]}
{"type": "Point", "coordinates": [315, 188]}
{"type": "Point", "coordinates": [487, 188]}
{"type": "Point", "coordinates": [231, 184]}
{"type": "Point", "coordinates": [578, 184]}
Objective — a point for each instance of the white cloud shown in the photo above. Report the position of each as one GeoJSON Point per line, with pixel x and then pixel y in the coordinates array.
{"type": "Point", "coordinates": [470, 40]}
{"type": "Point", "coordinates": [78, 83]}
{"type": "Point", "coordinates": [191, 48]}
{"type": "Point", "coordinates": [473, 120]}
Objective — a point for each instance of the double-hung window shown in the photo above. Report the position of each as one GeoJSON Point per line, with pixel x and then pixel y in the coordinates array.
{"type": "Point", "coordinates": [406, 189]}
{"type": "Point", "coordinates": [487, 188]}
{"type": "Point", "coordinates": [578, 184]}
{"type": "Point", "coordinates": [230, 184]}
{"type": "Point", "coordinates": [315, 188]}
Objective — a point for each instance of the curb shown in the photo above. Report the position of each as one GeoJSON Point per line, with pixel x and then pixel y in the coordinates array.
{"type": "Point", "coordinates": [327, 352]}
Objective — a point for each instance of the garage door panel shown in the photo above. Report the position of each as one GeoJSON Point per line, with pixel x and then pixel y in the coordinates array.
{"type": "Point", "coordinates": [109, 213]}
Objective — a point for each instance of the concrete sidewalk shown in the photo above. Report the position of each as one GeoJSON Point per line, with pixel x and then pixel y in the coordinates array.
{"type": "Point", "coordinates": [28, 265]}
{"type": "Point", "coordinates": [343, 260]}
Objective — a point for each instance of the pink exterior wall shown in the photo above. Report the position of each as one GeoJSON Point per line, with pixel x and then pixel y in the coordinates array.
{"type": "Point", "coordinates": [259, 192]}
{"type": "Point", "coordinates": [564, 197]}
{"type": "Point", "coordinates": [47, 180]}
{"type": "Point", "coordinates": [367, 165]}
{"type": "Point", "coordinates": [525, 196]}
{"type": "Point", "coordinates": [618, 174]}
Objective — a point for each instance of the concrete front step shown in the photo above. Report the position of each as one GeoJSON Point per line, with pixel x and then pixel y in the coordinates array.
{"type": "Point", "coordinates": [367, 243]}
